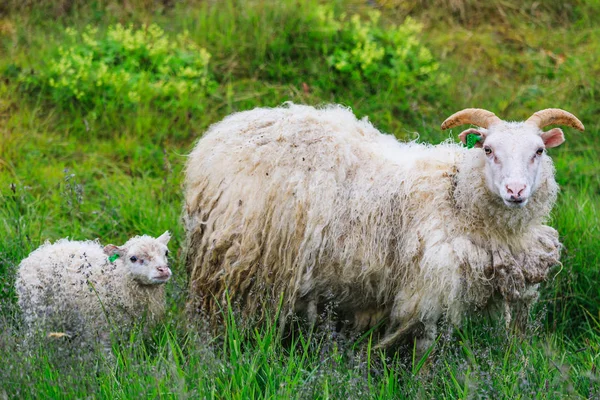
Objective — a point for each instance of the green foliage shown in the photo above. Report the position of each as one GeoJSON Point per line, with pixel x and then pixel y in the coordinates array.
{"type": "Point", "coordinates": [125, 67]}
{"type": "Point", "coordinates": [109, 165]}
{"type": "Point", "coordinates": [327, 51]}
{"type": "Point", "coordinates": [176, 361]}
{"type": "Point", "coordinates": [365, 50]}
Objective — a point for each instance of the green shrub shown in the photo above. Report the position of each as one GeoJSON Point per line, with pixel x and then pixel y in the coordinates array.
{"type": "Point", "coordinates": [348, 57]}
{"type": "Point", "coordinates": [367, 51]}
{"type": "Point", "coordinates": [125, 67]}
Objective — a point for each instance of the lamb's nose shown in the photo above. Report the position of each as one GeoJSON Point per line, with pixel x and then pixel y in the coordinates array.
{"type": "Point", "coordinates": [515, 190]}
{"type": "Point", "coordinates": [162, 269]}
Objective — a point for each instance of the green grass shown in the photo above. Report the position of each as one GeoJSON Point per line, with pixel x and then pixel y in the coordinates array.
{"type": "Point", "coordinates": [108, 171]}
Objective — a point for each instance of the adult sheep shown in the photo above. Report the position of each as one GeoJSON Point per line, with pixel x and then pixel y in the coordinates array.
{"type": "Point", "coordinates": [321, 208]}
{"type": "Point", "coordinates": [83, 289]}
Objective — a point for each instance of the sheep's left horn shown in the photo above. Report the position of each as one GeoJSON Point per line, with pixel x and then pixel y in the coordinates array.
{"type": "Point", "coordinates": [556, 116]}
{"type": "Point", "coordinates": [475, 116]}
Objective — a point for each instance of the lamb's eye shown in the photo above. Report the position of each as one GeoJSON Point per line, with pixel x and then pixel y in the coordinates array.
{"type": "Point", "coordinates": [133, 259]}
{"type": "Point", "coordinates": [539, 151]}
{"type": "Point", "coordinates": [167, 253]}
{"type": "Point", "coordinates": [487, 150]}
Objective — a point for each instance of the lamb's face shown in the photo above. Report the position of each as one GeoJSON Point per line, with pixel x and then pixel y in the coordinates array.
{"type": "Point", "coordinates": [513, 159]}
{"type": "Point", "coordinates": [146, 258]}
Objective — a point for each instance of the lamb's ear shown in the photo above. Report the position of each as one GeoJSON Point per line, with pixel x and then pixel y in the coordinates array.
{"type": "Point", "coordinates": [111, 250]}
{"type": "Point", "coordinates": [164, 238]}
{"type": "Point", "coordinates": [472, 131]}
{"type": "Point", "coordinates": [553, 137]}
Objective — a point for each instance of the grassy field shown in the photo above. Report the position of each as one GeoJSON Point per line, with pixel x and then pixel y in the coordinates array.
{"type": "Point", "coordinates": [101, 101]}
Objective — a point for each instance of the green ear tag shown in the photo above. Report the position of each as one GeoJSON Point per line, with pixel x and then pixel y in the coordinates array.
{"type": "Point", "coordinates": [472, 139]}
{"type": "Point", "coordinates": [113, 257]}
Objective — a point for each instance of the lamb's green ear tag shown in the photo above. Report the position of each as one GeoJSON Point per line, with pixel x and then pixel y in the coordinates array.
{"type": "Point", "coordinates": [472, 139]}
{"type": "Point", "coordinates": [113, 257]}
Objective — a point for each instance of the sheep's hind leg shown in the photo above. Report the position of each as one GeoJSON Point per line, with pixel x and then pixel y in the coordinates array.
{"type": "Point", "coordinates": [403, 318]}
{"type": "Point", "coordinates": [425, 342]}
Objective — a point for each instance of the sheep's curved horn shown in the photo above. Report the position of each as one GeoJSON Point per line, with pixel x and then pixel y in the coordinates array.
{"type": "Point", "coordinates": [557, 116]}
{"type": "Point", "coordinates": [476, 116]}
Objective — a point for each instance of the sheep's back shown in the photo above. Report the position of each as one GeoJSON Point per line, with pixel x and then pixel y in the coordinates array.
{"type": "Point", "coordinates": [59, 284]}
{"type": "Point", "coordinates": [297, 200]}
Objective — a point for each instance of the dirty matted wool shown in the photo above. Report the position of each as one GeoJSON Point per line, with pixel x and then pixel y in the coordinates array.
{"type": "Point", "coordinates": [316, 207]}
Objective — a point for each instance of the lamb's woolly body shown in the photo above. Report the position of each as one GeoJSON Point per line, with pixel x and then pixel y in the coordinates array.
{"type": "Point", "coordinates": [72, 286]}
{"type": "Point", "coordinates": [322, 207]}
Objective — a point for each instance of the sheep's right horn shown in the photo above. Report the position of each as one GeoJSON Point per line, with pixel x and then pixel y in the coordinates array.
{"type": "Point", "coordinates": [476, 116]}
{"type": "Point", "coordinates": [557, 116]}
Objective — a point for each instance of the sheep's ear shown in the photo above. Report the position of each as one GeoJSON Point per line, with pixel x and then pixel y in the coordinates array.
{"type": "Point", "coordinates": [553, 137]}
{"type": "Point", "coordinates": [472, 131]}
{"type": "Point", "coordinates": [164, 238]}
{"type": "Point", "coordinates": [111, 250]}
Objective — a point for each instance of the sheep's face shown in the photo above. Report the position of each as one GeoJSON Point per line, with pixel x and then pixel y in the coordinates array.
{"type": "Point", "coordinates": [514, 153]}
{"type": "Point", "coordinates": [145, 257]}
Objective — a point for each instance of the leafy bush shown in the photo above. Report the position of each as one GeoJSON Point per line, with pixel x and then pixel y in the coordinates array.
{"type": "Point", "coordinates": [347, 57]}
{"type": "Point", "coordinates": [366, 51]}
{"type": "Point", "coordinates": [126, 67]}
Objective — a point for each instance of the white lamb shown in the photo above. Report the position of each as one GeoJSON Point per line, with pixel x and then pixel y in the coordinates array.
{"type": "Point", "coordinates": [78, 287]}
{"type": "Point", "coordinates": [321, 208]}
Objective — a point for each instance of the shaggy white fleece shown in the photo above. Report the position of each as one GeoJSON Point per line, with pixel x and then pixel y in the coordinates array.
{"type": "Point", "coordinates": [72, 286]}
{"type": "Point", "coordinates": [322, 208]}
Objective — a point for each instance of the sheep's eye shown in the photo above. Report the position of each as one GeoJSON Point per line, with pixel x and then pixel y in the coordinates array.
{"type": "Point", "coordinates": [487, 150]}
{"type": "Point", "coordinates": [133, 259]}
{"type": "Point", "coordinates": [167, 253]}
{"type": "Point", "coordinates": [539, 151]}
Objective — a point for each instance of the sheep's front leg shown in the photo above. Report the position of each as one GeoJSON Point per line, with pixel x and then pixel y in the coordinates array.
{"type": "Point", "coordinates": [465, 268]}
{"type": "Point", "coordinates": [447, 272]}
{"type": "Point", "coordinates": [475, 270]}
{"type": "Point", "coordinates": [518, 273]}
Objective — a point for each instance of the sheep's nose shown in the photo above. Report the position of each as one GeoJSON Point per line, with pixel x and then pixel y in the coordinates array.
{"type": "Point", "coordinates": [163, 270]}
{"type": "Point", "coordinates": [515, 190]}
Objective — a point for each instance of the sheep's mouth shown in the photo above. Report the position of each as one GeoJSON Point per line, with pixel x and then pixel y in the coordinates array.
{"type": "Point", "coordinates": [160, 278]}
{"type": "Point", "coordinates": [515, 203]}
